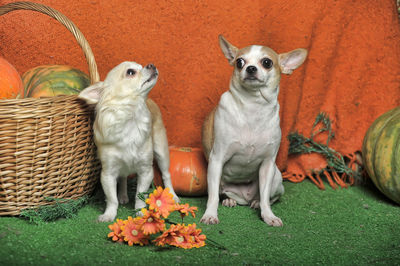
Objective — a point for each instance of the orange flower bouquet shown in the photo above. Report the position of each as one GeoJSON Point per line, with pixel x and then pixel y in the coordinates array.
{"type": "Point", "coordinates": [160, 204]}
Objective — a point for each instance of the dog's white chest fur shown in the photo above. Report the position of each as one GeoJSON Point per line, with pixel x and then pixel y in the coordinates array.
{"type": "Point", "coordinates": [253, 132]}
{"type": "Point", "coordinates": [124, 135]}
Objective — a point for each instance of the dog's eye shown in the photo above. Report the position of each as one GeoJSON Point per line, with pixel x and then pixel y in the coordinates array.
{"type": "Point", "coordinates": [267, 63]}
{"type": "Point", "coordinates": [130, 72]}
{"type": "Point", "coordinates": [240, 63]}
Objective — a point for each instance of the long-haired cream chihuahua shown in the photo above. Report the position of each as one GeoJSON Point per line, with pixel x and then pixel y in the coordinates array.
{"type": "Point", "coordinates": [128, 130]}
{"type": "Point", "coordinates": [241, 136]}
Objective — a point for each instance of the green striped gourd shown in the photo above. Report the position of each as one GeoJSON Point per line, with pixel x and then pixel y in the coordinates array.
{"type": "Point", "coordinates": [52, 80]}
{"type": "Point", "coordinates": [381, 153]}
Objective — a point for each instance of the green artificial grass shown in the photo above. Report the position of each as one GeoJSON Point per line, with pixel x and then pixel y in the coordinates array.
{"type": "Point", "coordinates": [354, 226]}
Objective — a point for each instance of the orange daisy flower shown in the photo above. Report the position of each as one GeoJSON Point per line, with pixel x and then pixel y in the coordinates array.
{"type": "Point", "coordinates": [182, 236]}
{"type": "Point", "coordinates": [173, 236]}
{"type": "Point", "coordinates": [150, 222]}
{"type": "Point", "coordinates": [161, 201]}
{"type": "Point", "coordinates": [184, 210]}
{"type": "Point", "coordinates": [132, 233]}
{"type": "Point", "coordinates": [182, 241]}
{"type": "Point", "coordinates": [116, 231]}
{"type": "Point", "coordinates": [195, 237]}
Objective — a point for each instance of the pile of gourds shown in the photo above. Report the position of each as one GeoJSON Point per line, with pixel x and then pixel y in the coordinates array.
{"type": "Point", "coordinates": [40, 81]}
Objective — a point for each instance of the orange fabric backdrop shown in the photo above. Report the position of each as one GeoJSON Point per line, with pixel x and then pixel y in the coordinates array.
{"type": "Point", "coordinates": [352, 71]}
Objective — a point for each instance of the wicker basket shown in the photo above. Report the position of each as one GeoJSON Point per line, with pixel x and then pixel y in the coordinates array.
{"type": "Point", "coordinates": [46, 144]}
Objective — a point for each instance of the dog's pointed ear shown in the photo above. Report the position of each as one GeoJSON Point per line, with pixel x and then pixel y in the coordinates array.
{"type": "Point", "coordinates": [91, 94]}
{"type": "Point", "coordinates": [292, 60]}
{"type": "Point", "coordinates": [228, 49]}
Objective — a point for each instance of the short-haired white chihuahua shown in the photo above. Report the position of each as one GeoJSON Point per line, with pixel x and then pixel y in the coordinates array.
{"type": "Point", "coordinates": [242, 135]}
{"type": "Point", "coordinates": [128, 130]}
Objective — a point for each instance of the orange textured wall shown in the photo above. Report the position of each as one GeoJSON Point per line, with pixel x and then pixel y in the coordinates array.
{"type": "Point", "coordinates": [181, 39]}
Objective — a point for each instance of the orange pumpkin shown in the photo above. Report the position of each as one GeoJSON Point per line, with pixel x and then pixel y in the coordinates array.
{"type": "Point", "coordinates": [188, 169]}
{"type": "Point", "coordinates": [10, 81]}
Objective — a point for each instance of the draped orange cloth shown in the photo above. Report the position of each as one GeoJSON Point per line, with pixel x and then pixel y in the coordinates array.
{"type": "Point", "coordinates": [352, 72]}
{"type": "Point", "coordinates": [352, 75]}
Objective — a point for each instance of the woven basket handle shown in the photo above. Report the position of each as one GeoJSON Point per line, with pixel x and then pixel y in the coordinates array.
{"type": "Point", "coordinates": [93, 72]}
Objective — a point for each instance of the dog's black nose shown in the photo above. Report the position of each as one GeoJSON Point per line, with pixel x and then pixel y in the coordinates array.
{"type": "Point", "coordinates": [251, 69]}
{"type": "Point", "coordinates": [150, 66]}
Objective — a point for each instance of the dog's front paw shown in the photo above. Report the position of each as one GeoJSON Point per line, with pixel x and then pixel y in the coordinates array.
{"type": "Point", "coordinates": [273, 221]}
{"type": "Point", "coordinates": [139, 204]}
{"type": "Point", "coordinates": [106, 218]}
{"type": "Point", "coordinates": [229, 202]}
{"type": "Point", "coordinates": [209, 219]}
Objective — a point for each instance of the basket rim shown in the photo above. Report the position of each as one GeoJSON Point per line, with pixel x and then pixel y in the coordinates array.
{"type": "Point", "coordinates": [43, 99]}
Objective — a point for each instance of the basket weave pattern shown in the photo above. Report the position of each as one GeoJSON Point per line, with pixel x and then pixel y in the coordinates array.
{"type": "Point", "coordinates": [46, 144]}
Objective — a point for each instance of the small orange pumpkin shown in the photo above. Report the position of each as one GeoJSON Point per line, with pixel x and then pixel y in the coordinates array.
{"type": "Point", "coordinates": [188, 169]}
{"type": "Point", "coordinates": [10, 81]}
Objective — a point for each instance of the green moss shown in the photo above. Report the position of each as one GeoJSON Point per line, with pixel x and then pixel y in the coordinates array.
{"type": "Point", "coordinates": [60, 209]}
{"type": "Point", "coordinates": [299, 144]}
